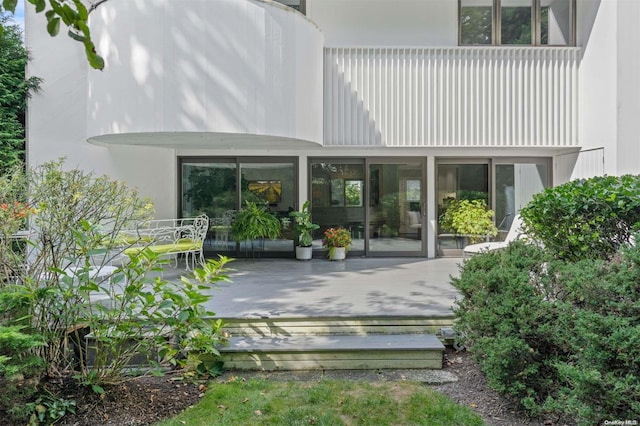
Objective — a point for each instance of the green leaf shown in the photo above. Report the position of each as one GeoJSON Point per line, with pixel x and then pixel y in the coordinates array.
{"type": "Point", "coordinates": [53, 27]}
{"type": "Point", "coordinates": [97, 389]}
{"type": "Point", "coordinates": [76, 36]}
{"type": "Point", "coordinates": [83, 14]}
{"type": "Point", "coordinates": [183, 316]}
{"type": "Point", "coordinates": [39, 4]}
{"type": "Point", "coordinates": [95, 60]}
{"type": "Point", "coordinates": [10, 5]}
{"type": "Point", "coordinates": [166, 304]}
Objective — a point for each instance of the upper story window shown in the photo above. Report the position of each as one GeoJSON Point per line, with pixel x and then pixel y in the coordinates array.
{"type": "Point", "coordinates": [299, 5]}
{"type": "Point", "coordinates": [517, 22]}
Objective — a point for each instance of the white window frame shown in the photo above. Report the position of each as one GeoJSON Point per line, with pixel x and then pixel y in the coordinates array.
{"type": "Point", "coordinates": [496, 27]}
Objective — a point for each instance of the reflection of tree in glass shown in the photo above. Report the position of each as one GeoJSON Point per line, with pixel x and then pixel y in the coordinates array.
{"type": "Point", "coordinates": [211, 190]}
{"type": "Point", "coordinates": [544, 25]}
{"type": "Point", "coordinates": [516, 25]}
{"type": "Point", "coordinates": [391, 210]}
{"type": "Point", "coordinates": [476, 23]}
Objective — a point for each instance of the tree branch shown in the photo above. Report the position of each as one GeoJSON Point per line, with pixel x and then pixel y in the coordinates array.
{"type": "Point", "coordinates": [95, 5]}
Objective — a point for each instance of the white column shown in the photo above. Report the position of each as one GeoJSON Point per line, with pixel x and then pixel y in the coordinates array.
{"type": "Point", "coordinates": [303, 180]}
{"type": "Point", "coordinates": [432, 214]}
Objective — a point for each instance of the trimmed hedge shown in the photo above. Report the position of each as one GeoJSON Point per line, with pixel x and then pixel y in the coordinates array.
{"type": "Point", "coordinates": [561, 337]}
{"type": "Point", "coordinates": [586, 218]}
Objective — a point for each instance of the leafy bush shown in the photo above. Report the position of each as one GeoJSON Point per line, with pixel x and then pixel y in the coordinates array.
{"type": "Point", "coordinates": [469, 217]}
{"type": "Point", "coordinates": [76, 218]}
{"type": "Point", "coordinates": [57, 315]}
{"type": "Point", "coordinates": [561, 337]}
{"type": "Point", "coordinates": [150, 322]}
{"type": "Point", "coordinates": [586, 218]}
{"type": "Point", "coordinates": [503, 316]}
{"type": "Point", "coordinates": [19, 368]}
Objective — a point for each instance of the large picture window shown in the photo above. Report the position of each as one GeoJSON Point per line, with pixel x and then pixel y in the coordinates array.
{"type": "Point", "coordinates": [517, 22]}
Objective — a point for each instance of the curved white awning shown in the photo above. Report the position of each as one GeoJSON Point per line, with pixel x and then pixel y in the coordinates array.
{"type": "Point", "coordinates": [199, 140]}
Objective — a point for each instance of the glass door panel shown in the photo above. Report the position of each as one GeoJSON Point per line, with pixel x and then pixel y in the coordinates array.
{"type": "Point", "coordinates": [515, 186]}
{"type": "Point", "coordinates": [396, 208]}
{"type": "Point", "coordinates": [337, 199]}
{"type": "Point", "coordinates": [220, 186]}
{"type": "Point", "coordinates": [457, 182]}
{"type": "Point", "coordinates": [210, 188]}
{"type": "Point", "coordinates": [272, 185]}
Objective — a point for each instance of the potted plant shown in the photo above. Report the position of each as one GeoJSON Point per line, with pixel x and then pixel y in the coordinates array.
{"type": "Point", "coordinates": [470, 218]}
{"type": "Point", "coordinates": [303, 228]}
{"type": "Point", "coordinates": [338, 241]}
{"type": "Point", "coordinates": [255, 222]}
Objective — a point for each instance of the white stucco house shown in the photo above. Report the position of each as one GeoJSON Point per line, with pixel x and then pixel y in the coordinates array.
{"type": "Point", "coordinates": [376, 111]}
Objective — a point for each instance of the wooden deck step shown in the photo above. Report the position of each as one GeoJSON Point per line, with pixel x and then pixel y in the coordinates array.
{"type": "Point", "coordinates": [269, 327]}
{"type": "Point", "coordinates": [334, 352]}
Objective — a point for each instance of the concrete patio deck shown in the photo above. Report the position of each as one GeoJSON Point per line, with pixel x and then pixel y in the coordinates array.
{"type": "Point", "coordinates": [357, 287]}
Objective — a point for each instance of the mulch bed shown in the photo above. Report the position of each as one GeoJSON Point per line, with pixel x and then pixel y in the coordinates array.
{"type": "Point", "coordinates": [141, 401]}
{"type": "Point", "coordinates": [146, 400]}
{"type": "Point", "coordinates": [471, 390]}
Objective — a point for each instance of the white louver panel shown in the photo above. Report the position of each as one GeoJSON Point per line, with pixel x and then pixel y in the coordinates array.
{"type": "Point", "coordinates": [497, 96]}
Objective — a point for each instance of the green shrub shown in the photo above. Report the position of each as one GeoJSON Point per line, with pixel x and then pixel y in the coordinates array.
{"type": "Point", "coordinates": [19, 368]}
{"type": "Point", "coordinates": [561, 337]}
{"type": "Point", "coordinates": [469, 217]}
{"type": "Point", "coordinates": [586, 218]}
{"type": "Point", "coordinates": [54, 300]}
{"type": "Point", "coordinates": [502, 317]}
{"type": "Point", "coordinates": [601, 377]}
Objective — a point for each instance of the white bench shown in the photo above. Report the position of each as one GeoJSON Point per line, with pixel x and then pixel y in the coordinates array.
{"type": "Point", "coordinates": [170, 237]}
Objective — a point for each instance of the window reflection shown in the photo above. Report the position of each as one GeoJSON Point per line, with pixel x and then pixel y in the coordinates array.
{"type": "Point", "coordinates": [353, 193]}
{"type": "Point", "coordinates": [476, 22]}
{"type": "Point", "coordinates": [515, 22]}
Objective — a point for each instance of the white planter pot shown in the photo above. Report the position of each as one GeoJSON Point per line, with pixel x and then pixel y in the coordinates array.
{"type": "Point", "coordinates": [304, 253]}
{"type": "Point", "coordinates": [339, 253]}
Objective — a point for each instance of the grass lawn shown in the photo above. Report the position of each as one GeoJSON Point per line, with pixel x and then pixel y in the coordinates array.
{"type": "Point", "coordinates": [327, 402]}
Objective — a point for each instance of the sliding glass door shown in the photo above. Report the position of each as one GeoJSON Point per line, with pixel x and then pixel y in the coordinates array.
{"type": "Point", "coordinates": [396, 207]}
{"type": "Point", "coordinates": [458, 180]}
{"type": "Point", "coordinates": [380, 202]}
{"type": "Point", "coordinates": [337, 199]}
{"type": "Point", "coordinates": [273, 184]}
{"type": "Point", "coordinates": [506, 185]}
{"type": "Point", "coordinates": [219, 187]}
{"type": "Point", "coordinates": [515, 184]}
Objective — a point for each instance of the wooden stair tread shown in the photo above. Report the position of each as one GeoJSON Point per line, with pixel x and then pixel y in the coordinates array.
{"type": "Point", "coordinates": [334, 343]}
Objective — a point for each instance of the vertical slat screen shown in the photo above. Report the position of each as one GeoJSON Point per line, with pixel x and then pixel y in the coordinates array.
{"type": "Point", "coordinates": [462, 96]}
